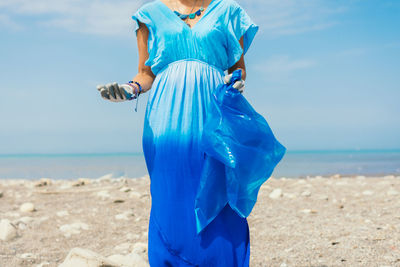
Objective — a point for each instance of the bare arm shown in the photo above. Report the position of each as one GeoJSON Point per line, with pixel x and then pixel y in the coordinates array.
{"type": "Point", "coordinates": [240, 64]}
{"type": "Point", "coordinates": [144, 76]}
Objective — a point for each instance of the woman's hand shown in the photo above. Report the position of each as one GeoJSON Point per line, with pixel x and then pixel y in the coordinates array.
{"type": "Point", "coordinates": [239, 85]}
{"type": "Point", "coordinates": [117, 93]}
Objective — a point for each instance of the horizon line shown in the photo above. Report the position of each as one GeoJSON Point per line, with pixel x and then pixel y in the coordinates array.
{"type": "Point", "coordinates": [77, 154]}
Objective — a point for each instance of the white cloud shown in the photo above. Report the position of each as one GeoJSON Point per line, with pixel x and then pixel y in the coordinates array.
{"type": "Point", "coordinates": [7, 22]}
{"type": "Point", "coordinates": [282, 65]}
{"type": "Point", "coordinates": [113, 17]}
{"type": "Point", "coordinates": [104, 17]}
{"type": "Point", "coordinates": [288, 17]}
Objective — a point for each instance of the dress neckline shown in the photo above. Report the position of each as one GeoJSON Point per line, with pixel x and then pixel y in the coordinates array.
{"type": "Point", "coordinates": [171, 12]}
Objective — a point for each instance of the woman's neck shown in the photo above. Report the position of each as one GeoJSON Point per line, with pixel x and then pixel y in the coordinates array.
{"type": "Point", "coordinates": [187, 2]}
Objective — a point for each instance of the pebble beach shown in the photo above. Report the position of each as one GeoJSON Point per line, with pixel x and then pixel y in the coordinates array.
{"type": "Point", "coordinates": [312, 221]}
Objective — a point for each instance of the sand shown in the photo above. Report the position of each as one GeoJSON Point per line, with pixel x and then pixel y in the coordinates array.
{"type": "Point", "coordinates": [313, 221]}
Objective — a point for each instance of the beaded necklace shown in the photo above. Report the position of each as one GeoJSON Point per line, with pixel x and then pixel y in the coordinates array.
{"type": "Point", "coordinates": [191, 15]}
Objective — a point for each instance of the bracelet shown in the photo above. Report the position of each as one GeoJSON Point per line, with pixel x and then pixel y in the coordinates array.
{"type": "Point", "coordinates": [137, 93]}
{"type": "Point", "coordinates": [135, 90]}
{"type": "Point", "coordinates": [138, 84]}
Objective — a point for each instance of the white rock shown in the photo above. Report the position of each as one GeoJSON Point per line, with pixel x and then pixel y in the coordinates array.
{"type": "Point", "coordinates": [144, 234]}
{"type": "Point", "coordinates": [134, 194]}
{"type": "Point", "coordinates": [323, 197]}
{"type": "Point", "coordinates": [65, 185]}
{"type": "Point", "coordinates": [105, 178]}
{"type": "Point", "coordinates": [85, 181]}
{"type": "Point", "coordinates": [42, 264]}
{"type": "Point", "coordinates": [139, 248]}
{"type": "Point", "coordinates": [276, 193]}
{"type": "Point", "coordinates": [124, 216]}
{"type": "Point", "coordinates": [392, 192]}
{"type": "Point", "coordinates": [289, 195]}
{"type": "Point", "coordinates": [367, 193]}
{"type": "Point", "coordinates": [308, 211]}
{"type": "Point", "coordinates": [42, 219]}
{"type": "Point", "coordinates": [7, 230]}
{"type": "Point", "coordinates": [11, 214]}
{"type": "Point", "coordinates": [283, 264]}
{"type": "Point", "coordinates": [305, 210]}
{"type": "Point", "coordinates": [306, 194]}
{"type": "Point", "coordinates": [25, 219]}
{"type": "Point", "coordinates": [389, 177]}
{"type": "Point", "coordinates": [27, 207]}
{"type": "Point", "coordinates": [104, 194]}
{"type": "Point", "coordinates": [124, 247]}
{"type": "Point", "coordinates": [62, 213]}
{"type": "Point", "coordinates": [43, 182]}
{"type": "Point", "coordinates": [73, 228]}
{"type": "Point", "coordinates": [79, 257]}
{"type": "Point", "coordinates": [125, 189]}
{"type": "Point", "coordinates": [131, 236]}
{"type": "Point", "coordinates": [27, 256]}
{"type": "Point", "coordinates": [130, 260]}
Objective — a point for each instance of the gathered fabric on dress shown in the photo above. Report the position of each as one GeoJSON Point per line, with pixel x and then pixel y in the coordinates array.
{"type": "Point", "coordinates": [189, 63]}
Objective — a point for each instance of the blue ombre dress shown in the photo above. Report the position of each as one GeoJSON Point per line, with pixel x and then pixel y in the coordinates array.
{"type": "Point", "coordinates": [188, 63]}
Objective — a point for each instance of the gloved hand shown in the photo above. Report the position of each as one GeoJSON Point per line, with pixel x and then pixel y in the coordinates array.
{"type": "Point", "coordinates": [117, 92]}
{"type": "Point", "coordinates": [239, 85]}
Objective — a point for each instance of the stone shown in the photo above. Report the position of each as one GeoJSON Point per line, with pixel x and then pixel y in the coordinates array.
{"type": "Point", "coordinates": [124, 216]}
{"type": "Point", "coordinates": [43, 182]}
{"type": "Point", "coordinates": [130, 260]}
{"type": "Point", "coordinates": [105, 178]}
{"type": "Point", "coordinates": [27, 256]}
{"type": "Point", "coordinates": [134, 194]}
{"type": "Point", "coordinates": [308, 211]}
{"type": "Point", "coordinates": [87, 258]}
{"type": "Point", "coordinates": [27, 207]}
{"type": "Point", "coordinates": [81, 182]}
{"type": "Point", "coordinates": [125, 189]}
{"type": "Point", "coordinates": [1, 194]}
{"type": "Point", "coordinates": [140, 248]}
{"type": "Point", "coordinates": [42, 264]}
{"type": "Point", "coordinates": [306, 194]}
{"type": "Point", "coordinates": [289, 195]}
{"type": "Point", "coordinates": [276, 193]}
{"type": "Point", "coordinates": [73, 228]}
{"type": "Point", "coordinates": [104, 194]}
{"type": "Point", "coordinates": [392, 192]}
{"type": "Point", "coordinates": [367, 193]}
{"type": "Point", "coordinates": [124, 247]}
{"type": "Point", "coordinates": [62, 213]}
{"type": "Point", "coordinates": [7, 230]}
{"type": "Point", "coordinates": [26, 219]}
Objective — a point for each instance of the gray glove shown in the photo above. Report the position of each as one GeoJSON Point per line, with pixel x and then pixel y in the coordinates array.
{"type": "Point", "coordinates": [116, 93]}
{"type": "Point", "coordinates": [239, 85]}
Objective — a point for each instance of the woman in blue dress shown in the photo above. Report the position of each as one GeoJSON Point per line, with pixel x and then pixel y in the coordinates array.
{"type": "Point", "coordinates": [182, 58]}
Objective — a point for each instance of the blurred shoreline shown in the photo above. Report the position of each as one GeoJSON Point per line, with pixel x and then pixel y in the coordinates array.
{"type": "Point", "coordinates": [294, 164]}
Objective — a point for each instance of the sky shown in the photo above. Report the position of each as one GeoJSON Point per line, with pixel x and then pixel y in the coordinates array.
{"type": "Point", "coordinates": [324, 74]}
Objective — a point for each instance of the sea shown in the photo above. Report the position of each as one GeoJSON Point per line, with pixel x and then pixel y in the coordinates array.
{"type": "Point", "coordinates": [295, 164]}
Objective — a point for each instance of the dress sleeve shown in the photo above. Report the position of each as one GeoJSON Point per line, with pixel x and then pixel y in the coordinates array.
{"type": "Point", "coordinates": [240, 24]}
{"type": "Point", "coordinates": [142, 16]}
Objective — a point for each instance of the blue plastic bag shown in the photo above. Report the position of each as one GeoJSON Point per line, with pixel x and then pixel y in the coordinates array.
{"type": "Point", "coordinates": [241, 153]}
